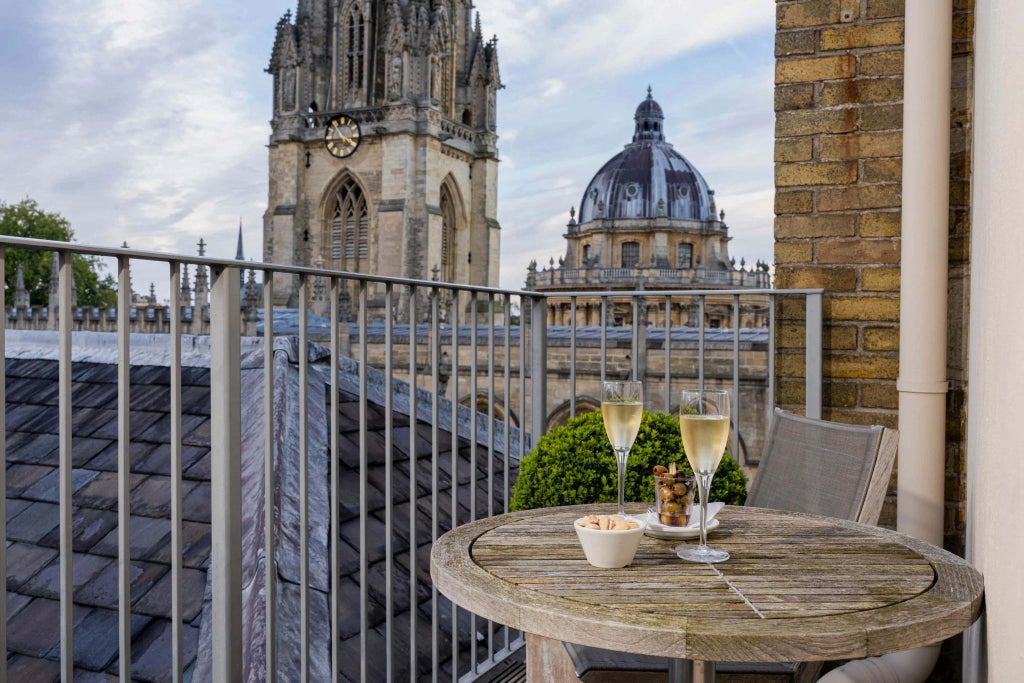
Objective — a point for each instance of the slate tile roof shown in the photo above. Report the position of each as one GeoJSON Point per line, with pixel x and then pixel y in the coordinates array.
{"type": "Point", "coordinates": [32, 526]}
{"type": "Point", "coordinates": [32, 555]}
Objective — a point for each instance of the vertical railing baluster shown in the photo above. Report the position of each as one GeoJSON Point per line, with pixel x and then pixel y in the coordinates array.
{"type": "Point", "coordinates": [270, 568]}
{"type": "Point", "coordinates": [668, 353]}
{"type": "Point", "coordinates": [522, 380]}
{"type": "Point", "coordinates": [539, 366]}
{"type": "Point", "coordinates": [772, 301]}
{"type": "Point", "coordinates": [225, 474]}
{"type": "Point", "coordinates": [473, 465]}
{"type": "Point", "coordinates": [177, 623]}
{"type": "Point", "coordinates": [303, 479]}
{"type": "Point", "coordinates": [124, 468]}
{"type": "Point", "coordinates": [507, 402]}
{"type": "Point", "coordinates": [635, 341]}
{"type": "Point", "coordinates": [736, 378]}
{"type": "Point", "coordinates": [572, 356]}
{"type": "Point", "coordinates": [700, 343]}
{"type": "Point", "coordinates": [364, 512]}
{"type": "Point", "coordinates": [67, 650]}
{"type": "Point", "coordinates": [604, 339]}
{"type": "Point", "coordinates": [335, 473]}
{"type": "Point", "coordinates": [454, 315]}
{"type": "Point", "coordinates": [435, 457]}
{"type": "Point", "coordinates": [490, 440]}
{"type": "Point", "coordinates": [389, 490]}
{"type": "Point", "coordinates": [3, 478]}
{"type": "Point", "coordinates": [813, 358]}
{"type": "Point", "coordinates": [413, 599]}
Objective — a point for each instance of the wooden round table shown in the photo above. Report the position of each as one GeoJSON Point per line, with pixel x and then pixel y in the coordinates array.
{"type": "Point", "coordinates": [798, 587]}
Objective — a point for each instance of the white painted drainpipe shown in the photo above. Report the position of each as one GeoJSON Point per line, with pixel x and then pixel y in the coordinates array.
{"type": "Point", "coordinates": [923, 281]}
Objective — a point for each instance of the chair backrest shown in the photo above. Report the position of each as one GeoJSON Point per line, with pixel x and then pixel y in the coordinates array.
{"type": "Point", "coordinates": [824, 468]}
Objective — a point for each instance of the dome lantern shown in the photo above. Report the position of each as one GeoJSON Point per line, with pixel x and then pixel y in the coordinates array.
{"type": "Point", "coordinates": [650, 120]}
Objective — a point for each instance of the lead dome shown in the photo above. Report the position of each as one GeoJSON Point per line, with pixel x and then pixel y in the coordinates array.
{"type": "Point", "coordinates": [648, 178]}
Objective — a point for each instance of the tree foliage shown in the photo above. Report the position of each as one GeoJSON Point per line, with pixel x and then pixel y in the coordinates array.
{"type": "Point", "coordinates": [575, 464]}
{"type": "Point", "coordinates": [27, 219]}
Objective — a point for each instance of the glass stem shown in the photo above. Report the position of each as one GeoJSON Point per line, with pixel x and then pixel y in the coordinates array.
{"type": "Point", "coordinates": [704, 486]}
{"type": "Point", "coordinates": [621, 457]}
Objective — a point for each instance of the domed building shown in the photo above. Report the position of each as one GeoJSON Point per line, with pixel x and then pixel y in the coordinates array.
{"type": "Point", "coordinates": [648, 221]}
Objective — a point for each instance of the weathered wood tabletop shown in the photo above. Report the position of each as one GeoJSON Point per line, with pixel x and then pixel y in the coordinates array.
{"type": "Point", "coordinates": [798, 587]}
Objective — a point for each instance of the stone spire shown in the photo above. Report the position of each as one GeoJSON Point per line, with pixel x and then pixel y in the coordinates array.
{"type": "Point", "coordinates": [55, 286]}
{"type": "Point", "coordinates": [240, 256]}
{"type": "Point", "coordinates": [186, 289]}
{"type": "Point", "coordinates": [239, 252]}
{"type": "Point", "coordinates": [251, 297]}
{"type": "Point", "coordinates": [21, 296]}
{"type": "Point", "coordinates": [202, 280]}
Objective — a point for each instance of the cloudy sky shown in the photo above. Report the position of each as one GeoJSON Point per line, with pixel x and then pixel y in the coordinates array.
{"type": "Point", "coordinates": [146, 120]}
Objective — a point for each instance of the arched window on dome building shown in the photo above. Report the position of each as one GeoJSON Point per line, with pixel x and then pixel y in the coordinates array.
{"type": "Point", "coordinates": [684, 255]}
{"type": "Point", "coordinates": [630, 254]}
{"type": "Point", "coordinates": [350, 227]}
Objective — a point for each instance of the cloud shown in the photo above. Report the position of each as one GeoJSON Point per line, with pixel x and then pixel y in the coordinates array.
{"type": "Point", "coordinates": [153, 134]}
{"type": "Point", "coordinates": [551, 87]}
{"type": "Point", "coordinates": [595, 39]}
{"type": "Point", "coordinates": [146, 120]}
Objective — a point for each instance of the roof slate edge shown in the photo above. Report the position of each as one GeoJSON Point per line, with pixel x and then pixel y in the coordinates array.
{"type": "Point", "coordinates": [144, 349]}
{"type": "Point", "coordinates": [348, 369]}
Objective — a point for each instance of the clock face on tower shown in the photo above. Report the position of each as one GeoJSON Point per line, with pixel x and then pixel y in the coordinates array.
{"type": "Point", "coordinates": [342, 136]}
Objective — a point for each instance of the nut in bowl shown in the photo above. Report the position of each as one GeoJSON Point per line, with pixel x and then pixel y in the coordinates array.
{"type": "Point", "coordinates": [609, 541]}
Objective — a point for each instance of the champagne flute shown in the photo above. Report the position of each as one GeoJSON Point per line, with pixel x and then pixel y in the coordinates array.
{"type": "Point", "coordinates": [622, 407]}
{"type": "Point", "coordinates": [704, 426]}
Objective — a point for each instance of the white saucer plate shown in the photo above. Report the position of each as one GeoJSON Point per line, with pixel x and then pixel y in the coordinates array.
{"type": "Point", "coordinates": [673, 533]}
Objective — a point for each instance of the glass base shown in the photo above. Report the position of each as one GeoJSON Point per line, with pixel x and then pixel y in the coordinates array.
{"type": "Point", "coordinates": [696, 553]}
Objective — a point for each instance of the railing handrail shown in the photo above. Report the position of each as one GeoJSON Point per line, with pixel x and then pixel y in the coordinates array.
{"type": "Point", "coordinates": [166, 257]}
{"type": "Point", "coordinates": [653, 293]}
{"type": "Point", "coordinates": [116, 252]}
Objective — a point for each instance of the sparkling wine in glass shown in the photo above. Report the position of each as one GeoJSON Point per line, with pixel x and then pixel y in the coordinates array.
{"type": "Point", "coordinates": [704, 426]}
{"type": "Point", "coordinates": [622, 407]}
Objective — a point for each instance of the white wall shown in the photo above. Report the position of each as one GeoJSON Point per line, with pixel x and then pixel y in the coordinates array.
{"type": "Point", "coordinates": [995, 428]}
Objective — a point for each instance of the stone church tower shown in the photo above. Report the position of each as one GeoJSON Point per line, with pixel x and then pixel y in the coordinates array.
{"type": "Point", "coordinates": [419, 194]}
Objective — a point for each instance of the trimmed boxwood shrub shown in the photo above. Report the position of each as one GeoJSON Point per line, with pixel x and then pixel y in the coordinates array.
{"type": "Point", "coordinates": [575, 464]}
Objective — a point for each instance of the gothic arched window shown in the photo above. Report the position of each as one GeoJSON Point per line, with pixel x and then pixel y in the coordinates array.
{"type": "Point", "coordinates": [355, 50]}
{"type": "Point", "coordinates": [630, 254]}
{"type": "Point", "coordinates": [350, 226]}
{"type": "Point", "coordinates": [448, 236]}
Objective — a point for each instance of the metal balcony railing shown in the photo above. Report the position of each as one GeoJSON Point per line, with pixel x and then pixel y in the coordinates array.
{"type": "Point", "coordinates": [466, 369]}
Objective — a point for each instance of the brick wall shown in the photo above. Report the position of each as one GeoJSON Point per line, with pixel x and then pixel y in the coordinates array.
{"type": "Point", "coordinates": [838, 101]}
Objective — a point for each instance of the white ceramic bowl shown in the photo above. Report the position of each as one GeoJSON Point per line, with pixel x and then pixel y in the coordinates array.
{"type": "Point", "coordinates": [610, 549]}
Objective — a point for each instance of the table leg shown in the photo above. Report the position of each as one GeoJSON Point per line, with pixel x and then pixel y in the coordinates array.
{"type": "Point", "coordinates": [687, 671]}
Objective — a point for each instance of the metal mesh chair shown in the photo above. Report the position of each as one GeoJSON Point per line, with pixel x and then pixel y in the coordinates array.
{"type": "Point", "coordinates": [814, 466]}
